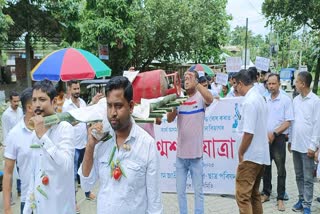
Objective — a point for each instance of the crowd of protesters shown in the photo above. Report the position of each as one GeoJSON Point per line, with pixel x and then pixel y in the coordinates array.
{"type": "Point", "coordinates": [51, 161]}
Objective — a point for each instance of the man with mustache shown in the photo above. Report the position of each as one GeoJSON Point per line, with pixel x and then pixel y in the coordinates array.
{"type": "Point", "coordinates": [190, 121]}
{"type": "Point", "coordinates": [51, 188]}
{"type": "Point", "coordinates": [253, 150]}
{"type": "Point", "coordinates": [127, 165]}
{"type": "Point", "coordinates": [10, 117]}
{"type": "Point", "coordinates": [18, 151]}
{"type": "Point", "coordinates": [80, 131]}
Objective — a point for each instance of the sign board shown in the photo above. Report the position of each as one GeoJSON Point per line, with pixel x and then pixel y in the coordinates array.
{"type": "Point", "coordinates": [303, 68]}
{"type": "Point", "coordinates": [233, 64]}
{"type": "Point", "coordinates": [103, 52]}
{"type": "Point", "coordinates": [262, 63]}
{"type": "Point", "coordinates": [220, 149]}
{"type": "Point", "coordinates": [221, 78]}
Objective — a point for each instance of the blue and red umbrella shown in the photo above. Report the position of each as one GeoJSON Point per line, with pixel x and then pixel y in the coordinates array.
{"type": "Point", "coordinates": [70, 64]}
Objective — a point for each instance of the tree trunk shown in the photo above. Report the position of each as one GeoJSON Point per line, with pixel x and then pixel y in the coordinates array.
{"type": "Point", "coordinates": [316, 77]}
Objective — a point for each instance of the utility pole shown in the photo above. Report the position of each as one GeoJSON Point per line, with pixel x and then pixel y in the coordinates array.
{"type": "Point", "coordinates": [246, 44]}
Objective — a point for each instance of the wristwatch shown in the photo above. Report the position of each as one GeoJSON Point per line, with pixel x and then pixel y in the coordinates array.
{"type": "Point", "coordinates": [276, 134]}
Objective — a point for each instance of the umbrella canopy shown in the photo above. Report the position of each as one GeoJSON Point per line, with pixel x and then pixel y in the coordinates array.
{"type": "Point", "coordinates": [202, 67]}
{"type": "Point", "coordinates": [70, 64]}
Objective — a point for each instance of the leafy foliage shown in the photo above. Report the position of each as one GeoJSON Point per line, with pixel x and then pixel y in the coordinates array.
{"type": "Point", "coordinates": [258, 45]}
{"type": "Point", "coordinates": [5, 22]}
{"type": "Point", "coordinates": [298, 13]}
{"type": "Point", "coordinates": [140, 31]}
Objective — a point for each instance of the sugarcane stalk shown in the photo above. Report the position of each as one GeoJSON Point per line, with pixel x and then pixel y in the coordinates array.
{"type": "Point", "coordinates": [55, 119]}
{"type": "Point", "coordinates": [167, 109]}
{"type": "Point", "coordinates": [166, 99]}
{"type": "Point", "coordinates": [155, 115]}
{"type": "Point", "coordinates": [173, 104]}
{"type": "Point", "coordinates": [148, 120]}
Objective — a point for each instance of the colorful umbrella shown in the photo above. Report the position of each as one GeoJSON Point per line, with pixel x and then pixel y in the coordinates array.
{"type": "Point", "coordinates": [202, 67]}
{"type": "Point", "coordinates": [70, 64]}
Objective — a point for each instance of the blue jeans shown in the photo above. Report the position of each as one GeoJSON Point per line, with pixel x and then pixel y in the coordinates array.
{"type": "Point", "coordinates": [303, 167]}
{"type": "Point", "coordinates": [78, 158]}
{"type": "Point", "coordinates": [195, 166]}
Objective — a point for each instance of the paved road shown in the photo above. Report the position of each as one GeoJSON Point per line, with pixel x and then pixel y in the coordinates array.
{"type": "Point", "coordinates": [213, 203]}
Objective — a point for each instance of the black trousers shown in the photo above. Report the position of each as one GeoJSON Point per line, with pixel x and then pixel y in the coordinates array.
{"type": "Point", "coordinates": [278, 154]}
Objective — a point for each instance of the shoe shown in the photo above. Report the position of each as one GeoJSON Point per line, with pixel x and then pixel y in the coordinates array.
{"type": "Point", "coordinates": [286, 196]}
{"type": "Point", "coordinates": [91, 197]}
{"type": "Point", "coordinates": [298, 206]}
{"type": "Point", "coordinates": [265, 198]}
{"type": "Point", "coordinates": [19, 194]}
{"type": "Point", "coordinates": [77, 209]}
{"type": "Point", "coordinates": [318, 199]}
{"type": "Point", "coordinates": [281, 206]}
{"type": "Point", "coordinates": [306, 210]}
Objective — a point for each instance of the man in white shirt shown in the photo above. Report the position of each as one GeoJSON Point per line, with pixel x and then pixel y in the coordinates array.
{"type": "Point", "coordinates": [127, 165]}
{"type": "Point", "coordinates": [10, 117]}
{"type": "Point", "coordinates": [305, 139]}
{"type": "Point", "coordinates": [215, 87]}
{"type": "Point", "coordinates": [51, 188]}
{"type": "Point", "coordinates": [254, 147]}
{"type": "Point", "coordinates": [18, 150]}
{"type": "Point", "coordinates": [280, 115]}
{"type": "Point", "coordinates": [255, 76]}
{"type": "Point", "coordinates": [80, 132]}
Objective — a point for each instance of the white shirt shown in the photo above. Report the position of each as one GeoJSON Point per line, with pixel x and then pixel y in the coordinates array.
{"type": "Point", "coordinates": [254, 117]}
{"type": "Point", "coordinates": [260, 87]}
{"type": "Point", "coordinates": [18, 148]}
{"type": "Point", "coordinates": [139, 191]}
{"type": "Point", "coordinates": [9, 119]}
{"type": "Point", "coordinates": [80, 130]}
{"type": "Point", "coordinates": [55, 158]}
{"type": "Point", "coordinates": [216, 87]}
{"type": "Point", "coordinates": [280, 110]}
{"type": "Point", "coordinates": [306, 125]}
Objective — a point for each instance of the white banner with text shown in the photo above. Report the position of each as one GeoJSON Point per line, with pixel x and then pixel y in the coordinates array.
{"type": "Point", "coordinates": [220, 149]}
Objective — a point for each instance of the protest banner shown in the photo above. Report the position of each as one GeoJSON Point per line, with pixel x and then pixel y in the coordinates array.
{"type": "Point", "coordinates": [262, 63]}
{"type": "Point", "coordinates": [221, 78]}
{"type": "Point", "coordinates": [233, 64]}
{"type": "Point", "coordinates": [220, 149]}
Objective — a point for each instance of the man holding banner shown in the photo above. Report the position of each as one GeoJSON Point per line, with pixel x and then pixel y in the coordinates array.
{"type": "Point", "coordinates": [190, 121]}
{"type": "Point", "coordinates": [254, 148]}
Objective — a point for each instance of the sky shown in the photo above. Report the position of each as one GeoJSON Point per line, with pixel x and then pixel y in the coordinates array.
{"type": "Point", "coordinates": [251, 9]}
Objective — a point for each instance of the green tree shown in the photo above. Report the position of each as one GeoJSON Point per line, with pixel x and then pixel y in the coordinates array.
{"type": "Point", "coordinates": [140, 31]}
{"type": "Point", "coordinates": [299, 12]}
{"type": "Point", "coordinates": [257, 45]}
{"type": "Point", "coordinates": [5, 22]}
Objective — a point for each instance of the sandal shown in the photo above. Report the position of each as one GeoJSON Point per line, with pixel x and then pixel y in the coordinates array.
{"type": "Point", "coordinates": [265, 198]}
{"type": "Point", "coordinates": [281, 206]}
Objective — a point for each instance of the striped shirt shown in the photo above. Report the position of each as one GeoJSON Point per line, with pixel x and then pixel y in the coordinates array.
{"type": "Point", "coordinates": [190, 124]}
